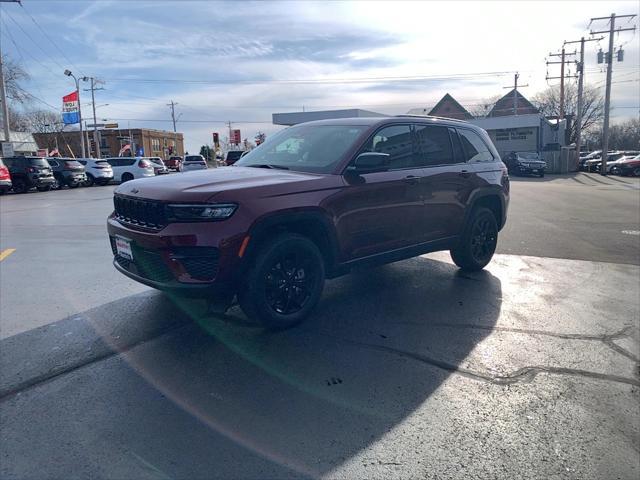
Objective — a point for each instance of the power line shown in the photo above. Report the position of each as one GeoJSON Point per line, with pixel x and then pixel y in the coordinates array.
{"type": "Point", "coordinates": [50, 39]}
{"type": "Point", "coordinates": [32, 40]}
{"type": "Point", "coordinates": [313, 81]}
{"type": "Point", "coordinates": [7, 33]}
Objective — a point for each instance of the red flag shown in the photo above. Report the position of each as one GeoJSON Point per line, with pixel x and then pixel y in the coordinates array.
{"type": "Point", "coordinates": [124, 149]}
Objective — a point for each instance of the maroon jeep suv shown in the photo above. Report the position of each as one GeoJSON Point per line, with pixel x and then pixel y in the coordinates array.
{"type": "Point", "coordinates": [310, 203]}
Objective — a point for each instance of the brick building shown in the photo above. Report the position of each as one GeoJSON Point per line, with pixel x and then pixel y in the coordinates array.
{"type": "Point", "coordinates": [145, 142]}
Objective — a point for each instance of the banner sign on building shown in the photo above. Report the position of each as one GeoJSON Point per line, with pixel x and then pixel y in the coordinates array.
{"type": "Point", "coordinates": [235, 137]}
{"type": "Point", "coordinates": [70, 109]}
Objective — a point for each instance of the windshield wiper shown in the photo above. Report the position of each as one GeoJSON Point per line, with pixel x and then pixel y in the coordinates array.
{"type": "Point", "coordinates": [269, 165]}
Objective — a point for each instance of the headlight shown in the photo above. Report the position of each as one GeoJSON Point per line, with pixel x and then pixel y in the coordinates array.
{"type": "Point", "coordinates": [200, 213]}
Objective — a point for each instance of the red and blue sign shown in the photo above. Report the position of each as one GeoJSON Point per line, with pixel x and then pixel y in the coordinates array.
{"type": "Point", "coordinates": [70, 113]}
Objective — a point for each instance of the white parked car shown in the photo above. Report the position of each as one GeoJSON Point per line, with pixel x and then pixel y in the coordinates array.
{"type": "Point", "coordinates": [193, 162]}
{"type": "Point", "coordinates": [98, 171]}
{"type": "Point", "coordinates": [128, 168]}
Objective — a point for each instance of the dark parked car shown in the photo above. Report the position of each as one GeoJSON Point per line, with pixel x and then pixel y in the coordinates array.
{"type": "Point", "coordinates": [233, 156]}
{"type": "Point", "coordinates": [525, 163]}
{"type": "Point", "coordinates": [29, 172]}
{"type": "Point", "coordinates": [5, 178]}
{"type": "Point", "coordinates": [67, 171]}
{"type": "Point", "coordinates": [174, 163]}
{"type": "Point", "coordinates": [314, 201]}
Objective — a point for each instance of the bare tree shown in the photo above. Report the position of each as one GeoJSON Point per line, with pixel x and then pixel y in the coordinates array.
{"type": "Point", "coordinates": [622, 136]}
{"type": "Point", "coordinates": [43, 121]}
{"type": "Point", "coordinates": [484, 107]}
{"type": "Point", "coordinates": [548, 101]}
{"type": "Point", "coordinates": [14, 74]}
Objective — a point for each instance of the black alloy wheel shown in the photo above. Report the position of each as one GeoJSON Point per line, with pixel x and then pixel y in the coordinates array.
{"type": "Point", "coordinates": [478, 242]}
{"type": "Point", "coordinates": [89, 181]}
{"type": "Point", "coordinates": [284, 283]}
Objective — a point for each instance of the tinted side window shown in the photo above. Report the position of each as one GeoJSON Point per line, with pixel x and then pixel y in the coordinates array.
{"type": "Point", "coordinates": [433, 145]}
{"type": "Point", "coordinates": [458, 154]}
{"type": "Point", "coordinates": [53, 163]}
{"type": "Point", "coordinates": [397, 142]}
{"type": "Point", "coordinates": [475, 148]}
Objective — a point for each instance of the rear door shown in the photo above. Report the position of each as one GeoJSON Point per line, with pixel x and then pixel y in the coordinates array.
{"type": "Point", "coordinates": [448, 181]}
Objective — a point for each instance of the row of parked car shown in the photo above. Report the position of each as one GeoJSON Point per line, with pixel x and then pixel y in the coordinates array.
{"type": "Point", "coordinates": [624, 163]}
{"type": "Point", "coordinates": [22, 174]}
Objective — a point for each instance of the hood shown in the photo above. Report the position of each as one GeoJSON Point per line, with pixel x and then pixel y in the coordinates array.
{"type": "Point", "coordinates": [201, 185]}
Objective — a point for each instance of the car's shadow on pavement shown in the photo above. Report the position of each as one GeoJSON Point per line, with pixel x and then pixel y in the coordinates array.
{"type": "Point", "coordinates": [309, 398]}
{"type": "Point", "coordinates": [225, 400]}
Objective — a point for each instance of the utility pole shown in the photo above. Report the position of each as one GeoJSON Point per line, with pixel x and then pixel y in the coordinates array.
{"type": "Point", "coordinates": [96, 139]}
{"type": "Point", "coordinates": [580, 113]}
{"type": "Point", "coordinates": [5, 106]}
{"type": "Point", "coordinates": [562, 76]}
{"type": "Point", "coordinates": [607, 95]}
{"type": "Point", "coordinates": [229, 124]}
{"type": "Point", "coordinates": [3, 90]}
{"type": "Point", "coordinates": [515, 92]}
{"type": "Point", "coordinates": [173, 119]}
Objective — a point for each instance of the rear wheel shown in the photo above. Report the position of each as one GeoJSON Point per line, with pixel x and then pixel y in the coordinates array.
{"type": "Point", "coordinates": [285, 282]}
{"type": "Point", "coordinates": [478, 242]}
{"type": "Point", "coordinates": [615, 171]}
{"type": "Point", "coordinates": [89, 181]}
{"type": "Point", "coordinates": [126, 177]}
{"type": "Point", "coordinates": [636, 172]}
{"type": "Point", "coordinates": [19, 186]}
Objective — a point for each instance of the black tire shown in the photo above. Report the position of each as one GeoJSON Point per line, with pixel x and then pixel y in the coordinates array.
{"type": "Point", "coordinates": [90, 180]}
{"type": "Point", "coordinates": [20, 186]}
{"type": "Point", "coordinates": [542, 175]}
{"type": "Point", "coordinates": [44, 189]}
{"type": "Point", "coordinates": [126, 177]}
{"type": "Point", "coordinates": [478, 242]}
{"type": "Point", "coordinates": [73, 185]}
{"type": "Point", "coordinates": [615, 171]}
{"type": "Point", "coordinates": [284, 283]}
{"type": "Point", "coordinates": [636, 172]}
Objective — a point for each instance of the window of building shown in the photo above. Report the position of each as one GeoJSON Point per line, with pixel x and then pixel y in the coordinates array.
{"type": "Point", "coordinates": [155, 144]}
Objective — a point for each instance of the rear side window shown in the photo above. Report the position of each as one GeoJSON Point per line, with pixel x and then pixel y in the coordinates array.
{"type": "Point", "coordinates": [475, 148]}
{"type": "Point", "coordinates": [458, 153]}
{"type": "Point", "coordinates": [396, 141]}
{"type": "Point", "coordinates": [53, 163]}
{"type": "Point", "coordinates": [433, 146]}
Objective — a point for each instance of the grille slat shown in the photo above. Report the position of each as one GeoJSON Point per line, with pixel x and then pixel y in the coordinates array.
{"type": "Point", "coordinates": [140, 212]}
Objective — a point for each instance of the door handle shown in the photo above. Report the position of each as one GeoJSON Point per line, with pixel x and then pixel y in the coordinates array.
{"type": "Point", "coordinates": [465, 173]}
{"type": "Point", "coordinates": [412, 179]}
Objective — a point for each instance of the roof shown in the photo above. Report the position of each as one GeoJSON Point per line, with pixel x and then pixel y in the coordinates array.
{"type": "Point", "coordinates": [504, 106]}
{"type": "Point", "coordinates": [374, 121]}
{"type": "Point", "coordinates": [23, 142]}
{"type": "Point", "coordinates": [458, 109]}
{"type": "Point", "coordinates": [293, 118]}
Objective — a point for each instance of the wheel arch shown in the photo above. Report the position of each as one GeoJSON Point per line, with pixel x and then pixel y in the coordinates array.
{"type": "Point", "coordinates": [491, 198]}
{"type": "Point", "coordinates": [312, 223]}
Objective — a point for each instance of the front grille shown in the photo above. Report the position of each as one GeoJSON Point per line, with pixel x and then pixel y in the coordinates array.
{"type": "Point", "coordinates": [201, 263]}
{"type": "Point", "coordinates": [140, 212]}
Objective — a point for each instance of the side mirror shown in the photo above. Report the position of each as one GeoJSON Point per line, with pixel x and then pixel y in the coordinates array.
{"type": "Point", "coordinates": [370, 162]}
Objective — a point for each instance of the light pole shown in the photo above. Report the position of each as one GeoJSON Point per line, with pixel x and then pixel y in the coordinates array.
{"type": "Point", "coordinates": [69, 74]}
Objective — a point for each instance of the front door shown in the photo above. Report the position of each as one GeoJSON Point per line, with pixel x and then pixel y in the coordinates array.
{"type": "Point", "coordinates": [378, 212]}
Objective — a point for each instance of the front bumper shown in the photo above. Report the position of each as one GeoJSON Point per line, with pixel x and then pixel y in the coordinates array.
{"type": "Point", "coordinates": [530, 170]}
{"type": "Point", "coordinates": [196, 257]}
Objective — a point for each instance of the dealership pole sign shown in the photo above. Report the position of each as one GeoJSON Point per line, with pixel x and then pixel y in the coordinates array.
{"type": "Point", "coordinates": [70, 106]}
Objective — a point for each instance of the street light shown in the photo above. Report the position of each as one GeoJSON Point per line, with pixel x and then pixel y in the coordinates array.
{"type": "Point", "coordinates": [69, 74]}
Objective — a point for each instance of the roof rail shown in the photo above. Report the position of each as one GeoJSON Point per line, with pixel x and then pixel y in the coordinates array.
{"type": "Point", "coordinates": [431, 116]}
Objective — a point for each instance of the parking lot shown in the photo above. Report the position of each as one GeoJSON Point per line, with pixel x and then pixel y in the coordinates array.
{"type": "Point", "coordinates": [527, 370]}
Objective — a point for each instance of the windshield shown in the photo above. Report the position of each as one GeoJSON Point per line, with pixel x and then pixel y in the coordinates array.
{"type": "Point", "coordinates": [305, 148]}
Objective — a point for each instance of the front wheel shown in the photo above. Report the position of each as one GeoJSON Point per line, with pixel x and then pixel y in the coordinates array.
{"type": "Point", "coordinates": [285, 282]}
{"type": "Point", "coordinates": [126, 177]}
{"type": "Point", "coordinates": [478, 242]}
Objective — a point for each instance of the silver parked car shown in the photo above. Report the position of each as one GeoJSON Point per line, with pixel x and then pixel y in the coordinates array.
{"type": "Point", "coordinates": [193, 162]}
{"type": "Point", "coordinates": [99, 172]}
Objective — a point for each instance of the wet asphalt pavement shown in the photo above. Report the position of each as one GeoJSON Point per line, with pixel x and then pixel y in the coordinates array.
{"type": "Point", "coordinates": [410, 370]}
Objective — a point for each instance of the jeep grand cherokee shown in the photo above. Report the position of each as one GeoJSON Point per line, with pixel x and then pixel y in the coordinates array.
{"type": "Point", "coordinates": [310, 203]}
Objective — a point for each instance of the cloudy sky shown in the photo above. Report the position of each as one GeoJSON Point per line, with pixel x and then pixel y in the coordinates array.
{"type": "Point", "coordinates": [244, 61]}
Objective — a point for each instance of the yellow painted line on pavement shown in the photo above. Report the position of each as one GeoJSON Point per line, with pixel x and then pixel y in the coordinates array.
{"type": "Point", "coordinates": [5, 253]}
